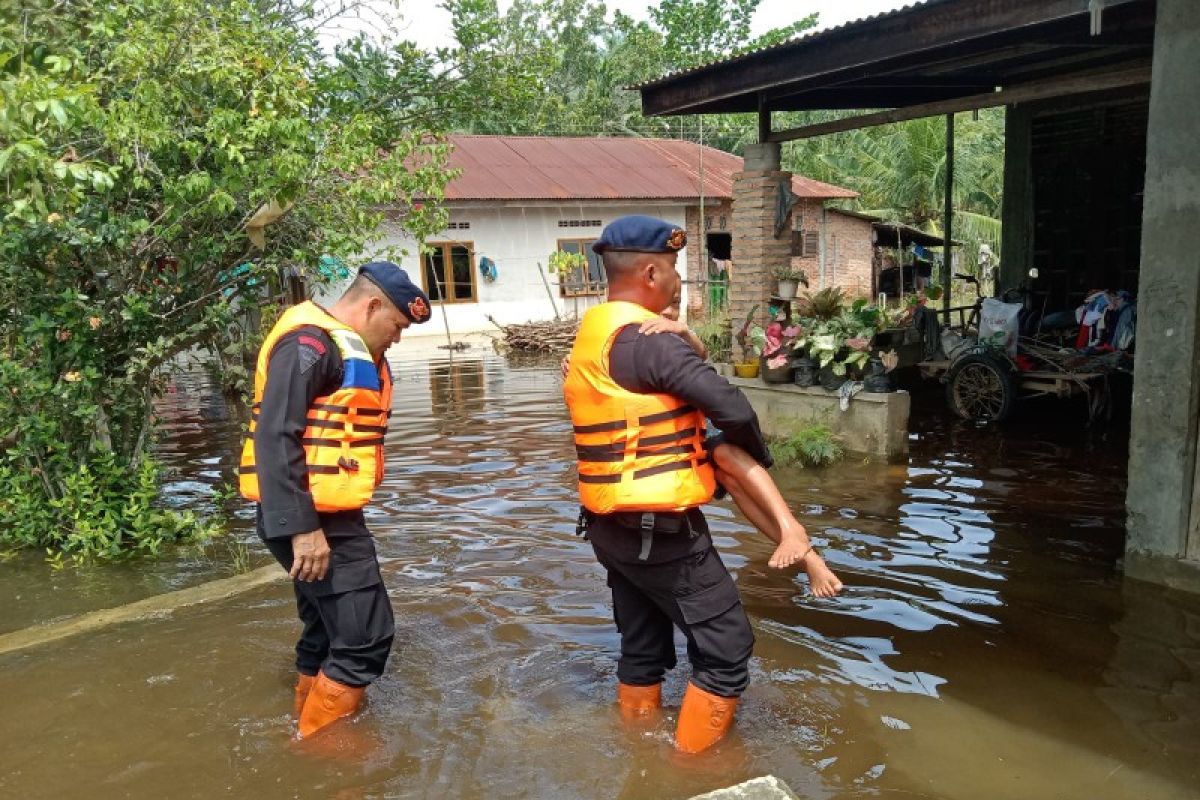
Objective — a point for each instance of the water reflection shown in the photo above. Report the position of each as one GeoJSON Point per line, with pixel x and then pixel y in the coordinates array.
{"type": "Point", "coordinates": [985, 647]}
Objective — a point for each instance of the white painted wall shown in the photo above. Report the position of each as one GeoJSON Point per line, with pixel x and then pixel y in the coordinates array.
{"type": "Point", "coordinates": [516, 237]}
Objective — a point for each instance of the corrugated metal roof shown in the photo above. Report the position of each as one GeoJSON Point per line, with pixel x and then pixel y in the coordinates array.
{"type": "Point", "coordinates": [598, 168]}
{"type": "Point", "coordinates": [803, 37]}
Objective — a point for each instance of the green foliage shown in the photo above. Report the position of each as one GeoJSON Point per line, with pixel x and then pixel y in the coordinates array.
{"type": "Point", "coordinates": [843, 339]}
{"type": "Point", "coordinates": [717, 336]}
{"type": "Point", "coordinates": [825, 304]}
{"type": "Point", "coordinates": [809, 446]}
{"type": "Point", "coordinates": [786, 272]}
{"type": "Point", "coordinates": [563, 263]}
{"type": "Point", "coordinates": [899, 171]}
{"type": "Point", "coordinates": [136, 141]}
{"type": "Point", "coordinates": [100, 511]}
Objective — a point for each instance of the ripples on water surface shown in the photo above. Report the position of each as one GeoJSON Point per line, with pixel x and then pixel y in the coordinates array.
{"type": "Point", "coordinates": [986, 646]}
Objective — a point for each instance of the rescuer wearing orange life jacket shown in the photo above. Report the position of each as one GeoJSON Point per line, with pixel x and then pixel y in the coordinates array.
{"type": "Point", "coordinates": [322, 397]}
{"type": "Point", "coordinates": [638, 406]}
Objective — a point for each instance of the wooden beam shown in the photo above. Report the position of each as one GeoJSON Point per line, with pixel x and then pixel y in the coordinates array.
{"type": "Point", "coordinates": [764, 120]}
{"type": "Point", "coordinates": [901, 39]}
{"type": "Point", "coordinates": [1018, 94]}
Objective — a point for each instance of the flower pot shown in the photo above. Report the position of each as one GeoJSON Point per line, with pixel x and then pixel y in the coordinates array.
{"type": "Point", "coordinates": [829, 380]}
{"type": "Point", "coordinates": [746, 369]}
{"type": "Point", "coordinates": [805, 371]}
{"type": "Point", "coordinates": [776, 374]}
{"type": "Point", "coordinates": [877, 378]}
{"type": "Point", "coordinates": [787, 289]}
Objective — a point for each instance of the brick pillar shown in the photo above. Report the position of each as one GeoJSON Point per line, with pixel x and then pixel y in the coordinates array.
{"type": "Point", "coordinates": [756, 251]}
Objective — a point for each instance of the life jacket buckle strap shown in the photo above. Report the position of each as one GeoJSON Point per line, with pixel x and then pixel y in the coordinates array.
{"type": "Point", "coordinates": [647, 540]}
{"type": "Point", "coordinates": [348, 464]}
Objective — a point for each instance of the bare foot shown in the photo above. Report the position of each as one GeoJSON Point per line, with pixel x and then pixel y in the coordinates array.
{"type": "Point", "coordinates": [790, 551]}
{"type": "Point", "coordinates": [821, 579]}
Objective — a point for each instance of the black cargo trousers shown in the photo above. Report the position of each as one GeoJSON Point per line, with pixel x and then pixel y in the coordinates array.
{"type": "Point", "coordinates": [347, 616]}
{"type": "Point", "coordinates": [682, 583]}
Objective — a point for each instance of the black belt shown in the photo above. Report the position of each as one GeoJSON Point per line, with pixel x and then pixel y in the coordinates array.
{"type": "Point", "coordinates": [647, 523]}
{"type": "Point", "coordinates": [660, 522]}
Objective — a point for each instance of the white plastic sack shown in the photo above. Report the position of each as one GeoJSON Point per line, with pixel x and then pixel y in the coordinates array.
{"type": "Point", "coordinates": [953, 344]}
{"type": "Point", "coordinates": [999, 324]}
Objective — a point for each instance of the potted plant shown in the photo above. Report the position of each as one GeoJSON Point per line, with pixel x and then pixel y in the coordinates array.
{"type": "Point", "coordinates": [789, 280]}
{"type": "Point", "coordinates": [777, 354]}
{"type": "Point", "coordinates": [752, 338]}
{"type": "Point", "coordinates": [839, 346]}
{"type": "Point", "coordinates": [571, 269]}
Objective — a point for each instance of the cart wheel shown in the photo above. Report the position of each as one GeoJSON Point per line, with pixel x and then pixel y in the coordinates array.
{"type": "Point", "coordinates": [980, 387]}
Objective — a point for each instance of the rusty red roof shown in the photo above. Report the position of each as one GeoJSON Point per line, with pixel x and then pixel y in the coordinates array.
{"type": "Point", "coordinates": [599, 168]}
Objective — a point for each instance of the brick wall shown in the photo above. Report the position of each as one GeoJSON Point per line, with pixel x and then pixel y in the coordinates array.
{"type": "Point", "coordinates": [756, 251]}
{"type": "Point", "coordinates": [849, 251]}
{"type": "Point", "coordinates": [806, 216]}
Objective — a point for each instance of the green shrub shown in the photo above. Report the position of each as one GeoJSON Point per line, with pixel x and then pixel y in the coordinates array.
{"type": "Point", "coordinates": [811, 446]}
{"type": "Point", "coordinates": [717, 335]}
{"type": "Point", "coordinates": [138, 141]}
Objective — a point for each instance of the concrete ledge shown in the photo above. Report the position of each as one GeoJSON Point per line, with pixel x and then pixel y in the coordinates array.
{"type": "Point", "coordinates": [875, 424]}
{"type": "Point", "coordinates": [1175, 573]}
{"type": "Point", "coordinates": [158, 605]}
{"type": "Point", "coordinates": [766, 788]}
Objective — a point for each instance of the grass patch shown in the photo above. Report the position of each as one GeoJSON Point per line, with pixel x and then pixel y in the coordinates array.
{"type": "Point", "coordinates": [810, 446]}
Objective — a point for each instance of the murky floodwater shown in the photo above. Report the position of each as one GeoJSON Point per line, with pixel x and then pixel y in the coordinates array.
{"type": "Point", "coordinates": [986, 646]}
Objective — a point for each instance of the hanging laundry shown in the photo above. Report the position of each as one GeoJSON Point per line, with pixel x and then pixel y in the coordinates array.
{"type": "Point", "coordinates": [1091, 318]}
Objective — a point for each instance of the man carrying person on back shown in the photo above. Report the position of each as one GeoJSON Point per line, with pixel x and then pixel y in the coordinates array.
{"type": "Point", "coordinates": [638, 405]}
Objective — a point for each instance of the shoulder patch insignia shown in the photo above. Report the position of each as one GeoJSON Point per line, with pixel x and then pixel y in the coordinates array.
{"type": "Point", "coordinates": [308, 355]}
{"type": "Point", "coordinates": [313, 342]}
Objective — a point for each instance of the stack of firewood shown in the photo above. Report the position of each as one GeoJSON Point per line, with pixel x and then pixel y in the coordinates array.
{"type": "Point", "coordinates": [551, 336]}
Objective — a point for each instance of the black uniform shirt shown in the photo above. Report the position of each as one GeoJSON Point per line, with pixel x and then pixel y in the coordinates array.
{"type": "Point", "coordinates": [664, 363]}
{"type": "Point", "coordinates": [304, 365]}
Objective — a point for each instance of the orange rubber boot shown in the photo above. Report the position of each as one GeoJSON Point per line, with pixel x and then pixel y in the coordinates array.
{"type": "Point", "coordinates": [638, 701]}
{"type": "Point", "coordinates": [703, 719]}
{"type": "Point", "coordinates": [327, 702]}
{"type": "Point", "coordinates": [304, 684]}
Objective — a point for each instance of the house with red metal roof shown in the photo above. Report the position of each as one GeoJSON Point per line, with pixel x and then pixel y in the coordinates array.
{"type": "Point", "coordinates": [518, 199]}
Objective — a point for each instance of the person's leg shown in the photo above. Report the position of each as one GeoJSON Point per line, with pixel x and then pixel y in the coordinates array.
{"type": "Point", "coordinates": [647, 646]}
{"type": "Point", "coordinates": [759, 499]}
{"type": "Point", "coordinates": [313, 645]}
{"type": "Point", "coordinates": [755, 493]}
{"type": "Point", "coordinates": [311, 650]}
{"type": "Point", "coordinates": [703, 601]}
{"type": "Point", "coordinates": [361, 628]}
{"type": "Point", "coordinates": [357, 614]}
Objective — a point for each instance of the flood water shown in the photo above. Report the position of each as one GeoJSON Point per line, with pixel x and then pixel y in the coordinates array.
{"type": "Point", "coordinates": [986, 645]}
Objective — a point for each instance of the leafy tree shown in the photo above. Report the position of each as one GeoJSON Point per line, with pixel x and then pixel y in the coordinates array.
{"type": "Point", "coordinates": [140, 143]}
{"type": "Point", "coordinates": [697, 31]}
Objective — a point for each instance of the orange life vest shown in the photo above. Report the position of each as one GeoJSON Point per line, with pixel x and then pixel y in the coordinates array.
{"type": "Point", "coordinates": [343, 441]}
{"type": "Point", "coordinates": [636, 452]}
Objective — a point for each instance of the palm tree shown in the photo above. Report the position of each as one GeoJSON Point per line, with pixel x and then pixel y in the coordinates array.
{"type": "Point", "coordinates": [899, 172]}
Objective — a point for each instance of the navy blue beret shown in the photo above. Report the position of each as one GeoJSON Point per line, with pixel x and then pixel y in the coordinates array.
{"type": "Point", "coordinates": [639, 234]}
{"type": "Point", "coordinates": [395, 283]}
